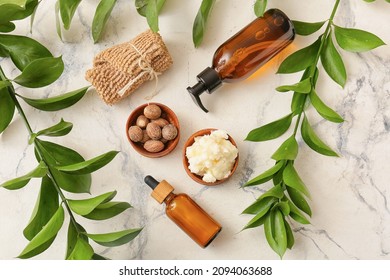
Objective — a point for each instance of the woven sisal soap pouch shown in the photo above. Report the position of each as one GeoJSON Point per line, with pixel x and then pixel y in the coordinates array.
{"type": "Point", "coordinates": [120, 70]}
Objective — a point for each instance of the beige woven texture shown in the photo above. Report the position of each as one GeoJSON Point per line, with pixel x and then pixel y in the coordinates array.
{"type": "Point", "coordinates": [118, 66]}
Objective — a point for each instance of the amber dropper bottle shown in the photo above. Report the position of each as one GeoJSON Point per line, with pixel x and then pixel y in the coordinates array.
{"type": "Point", "coordinates": [245, 52]}
{"type": "Point", "coordinates": [185, 213]}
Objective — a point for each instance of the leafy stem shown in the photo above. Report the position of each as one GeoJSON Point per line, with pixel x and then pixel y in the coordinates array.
{"type": "Point", "coordinates": [323, 38]}
{"type": "Point", "coordinates": [56, 186]}
{"type": "Point", "coordinates": [313, 67]}
{"type": "Point", "coordinates": [59, 168]}
{"type": "Point", "coordinates": [288, 197]}
{"type": "Point", "coordinates": [17, 104]}
{"type": "Point", "coordinates": [12, 93]}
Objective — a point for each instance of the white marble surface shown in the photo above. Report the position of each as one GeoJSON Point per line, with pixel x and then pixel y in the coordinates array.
{"type": "Point", "coordinates": [351, 215]}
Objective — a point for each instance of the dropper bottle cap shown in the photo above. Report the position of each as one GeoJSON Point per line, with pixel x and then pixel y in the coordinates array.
{"type": "Point", "coordinates": [208, 80]}
{"type": "Point", "coordinates": [160, 189]}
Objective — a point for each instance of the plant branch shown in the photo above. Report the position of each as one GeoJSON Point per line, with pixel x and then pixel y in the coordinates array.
{"type": "Point", "coordinates": [17, 104]}
{"type": "Point", "coordinates": [11, 91]}
{"type": "Point", "coordinates": [313, 66]}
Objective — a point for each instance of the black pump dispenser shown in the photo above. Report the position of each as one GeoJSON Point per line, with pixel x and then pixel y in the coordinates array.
{"type": "Point", "coordinates": [245, 52]}
{"type": "Point", "coordinates": [208, 80]}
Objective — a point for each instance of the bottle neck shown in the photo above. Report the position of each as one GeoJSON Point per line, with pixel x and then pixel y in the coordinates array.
{"type": "Point", "coordinates": [169, 198]}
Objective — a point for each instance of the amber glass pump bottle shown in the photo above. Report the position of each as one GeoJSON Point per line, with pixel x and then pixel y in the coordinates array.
{"type": "Point", "coordinates": [185, 213]}
{"type": "Point", "coordinates": [245, 52]}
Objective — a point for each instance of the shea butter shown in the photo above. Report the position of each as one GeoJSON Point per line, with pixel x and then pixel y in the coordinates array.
{"type": "Point", "coordinates": [212, 156]}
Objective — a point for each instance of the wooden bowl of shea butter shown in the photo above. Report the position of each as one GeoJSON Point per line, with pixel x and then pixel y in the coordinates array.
{"type": "Point", "coordinates": [206, 165]}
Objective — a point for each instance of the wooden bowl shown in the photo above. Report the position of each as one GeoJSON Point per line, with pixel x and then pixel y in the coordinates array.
{"type": "Point", "coordinates": [196, 177]}
{"type": "Point", "coordinates": [167, 114]}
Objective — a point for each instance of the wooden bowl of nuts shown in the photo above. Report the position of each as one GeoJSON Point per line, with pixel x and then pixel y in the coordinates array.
{"type": "Point", "coordinates": [210, 156]}
{"type": "Point", "coordinates": [153, 130]}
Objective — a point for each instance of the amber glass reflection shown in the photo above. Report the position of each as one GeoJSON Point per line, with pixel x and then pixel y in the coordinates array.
{"type": "Point", "coordinates": [191, 218]}
{"type": "Point", "coordinates": [253, 46]}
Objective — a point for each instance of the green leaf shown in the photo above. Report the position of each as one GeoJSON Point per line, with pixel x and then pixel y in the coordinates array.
{"type": "Point", "coordinates": [256, 221]}
{"type": "Point", "coordinates": [270, 131]}
{"type": "Point", "coordinates": [301, 87]}
{"type": "Point", "coordinates": [333, 63]}
{"type": "Point", "coordinates": [115, 238]}
{"type": "Point", "coordinates": [275, 191]}
{"type": "Point", "coordinates": [313, 141]}
{"type": "Point", "coordinates": [296, 214]}
{"type": "Point", "coordinates": [269, 232]}
{"type": "Point", "coordinates": [141, 5]}
{"type": "Point", "coordinates": [260, 216]}
{"type": "Point", "coordinates": [20, 182]}
{"type": "Point", "coordinates": [200, 22]}
{"type": "Point", "coordinates": [45, 207]}
{"type": "Point", "coordinates": [4, 84]}
{"type": "Point", "coordinates": [3, 52]}
{"type": "Point", "coordinates": [57, 102]}
{"type": "Point", "coordinates": [32, 17]}
{"type": "Point", "coordinates": [72, 239]}
{"type": "Point", "coordinates": [260, 6]}
{"type": "Point", "coordinates": [7, 27]}
{"type": "Point", "coordinates": [73, 236]}
{"type": "Point", "coordinates": [48, 232]}
{"type": "Point", "coordinates": [41, 72]}
{"type": "Point", "coordinates": [278, 177]}
{"type": "Point", "coordinates": [290, 235]}
{"type": "Point", "coordinates": [260, 206]}
{"type": "Point", "coordinates": [151, 14]}
{"type": "Point", "coordinates": [23, 50]}
{"type": "Point", "coordinates": [13, 11]}
{"type": "Point", "coordinates": [265, 176]}
{"type": "Point", "coordinates": [280, 233]}
{"type": "Point", "coordinates": [98, 257]}
{"type": "Point", "coordinates": [326, 112]}
{"type": "Point", "coordinates": [282, 206]}
{"type": "Point", "coordinates": [307, 28]}
{"type": "Point", "coordinates": [288, 150]}
{"type": "Point", "coordinates": [275, 232]}
{"type": "Point", "coordinates": [82, 250]}
{"type": "Point", "coordinates": [41, 248]}
{"type": "Point", "coordinates": [41, 215]}
{"type": "Point", "coordinates": [21, 3]}
{"type": "Point", "coordinates": [55, 154]}
{"type": "Point", "coordinates": [60, 129]}
{"type": "Point", "coordinates": [7, 109]}
{"type": "Point", "coordinates": [301, 59]}
{"type": "Point", "coordinates": [107, 210]}
{"type": "Point", "coordinates": [102, 14]}
{"type": "Point", "coordinates": [58, 22]}
{"type": "Point", "coordinates": [300, 101]}
{"type": "Point", "coordinates": [356, 40]}
{"type": "Point", "coordinates": [89, 166]}
{"type": "Point", "coordinates": [67, 9]}
{"type": "Point", "coordinates": [292, 179]}
{"type": "Point", "coordinates": [86, 206]}
{"type": "Point", "coordinates": [299, 200]}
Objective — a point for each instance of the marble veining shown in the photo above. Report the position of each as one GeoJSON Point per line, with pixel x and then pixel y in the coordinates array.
{"type": "Point", "coordinates": [350, 194]}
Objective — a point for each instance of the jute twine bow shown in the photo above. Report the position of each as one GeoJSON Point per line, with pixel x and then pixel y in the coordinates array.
{"type": "Point", "coordinates": [146, 69]}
